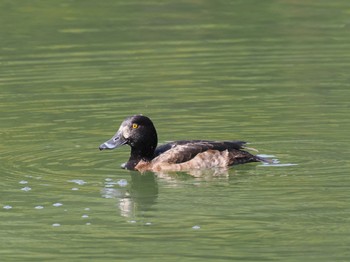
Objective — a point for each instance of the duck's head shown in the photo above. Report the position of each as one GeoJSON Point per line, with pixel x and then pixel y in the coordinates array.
{"type": "Point", "coordinates": [139, 133]}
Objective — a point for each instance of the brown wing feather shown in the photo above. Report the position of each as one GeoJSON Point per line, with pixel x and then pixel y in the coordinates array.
{"type": "Point", "coordinates": [183, 151]}
{"type": "Point", "coordinates": [178, 154]}
{"type": "Point", "coordinates": [204, 160]}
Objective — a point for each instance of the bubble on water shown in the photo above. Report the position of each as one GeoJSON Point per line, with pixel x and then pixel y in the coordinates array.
{"type": "Point", "coordinates": [148, 224]}
{"type": "Point", "coordinates": [57, 204]}
{"type": "Point", "coordinates": [88, 224]}
{"type": "Point", "coordinates": [196, 227]}
{"type": "Point", "coordinates": [56, 225]}
{"type": "Point", "coordinates": [78, 181]}
{"type": "Point", "coordinates": [85, 216]}
{"type": "Point", "coordinates": [26, 189]}
{"type": "Point", "coordinates": [122, 182]}
{"type": "Point", "coordinates": [111, 183]}
{"type": "Point", "coordinates": [7, 207]}
{"type": "Point", "coordinates": [23, 182]}
{"type": "Point", "coordinates": [39, 207]}
{"type": "Point", "coordinates": [132, 221]}
{"type": "Point", "coordinates": [87, 209]}
{"type": "Point", "coordinates": [75, 188]}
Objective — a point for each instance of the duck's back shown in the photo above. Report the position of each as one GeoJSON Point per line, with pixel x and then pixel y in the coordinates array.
{"type": "Point", "coordinates": [199, 154]}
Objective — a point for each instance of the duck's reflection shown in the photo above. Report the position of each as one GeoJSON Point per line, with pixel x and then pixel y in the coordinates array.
{"type": "Point", "coordinates": [134, 196]}
{"type": "Point", "coordinates": [138, 194]}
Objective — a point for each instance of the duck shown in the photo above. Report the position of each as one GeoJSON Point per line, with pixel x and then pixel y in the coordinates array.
{"type": "Point", "coordinates": [139, 133]}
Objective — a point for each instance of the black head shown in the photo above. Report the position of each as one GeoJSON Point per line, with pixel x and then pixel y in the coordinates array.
{"type": "Point", "coordinates": [139, 133]}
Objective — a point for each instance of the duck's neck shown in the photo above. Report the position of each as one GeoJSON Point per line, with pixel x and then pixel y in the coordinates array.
{"type": "Point", "coordinates": [138, 155]}
{"type": "Point", "coordinates": [142, 151]}
{"type": "Point", "coordinates": [143, 147]}
{"type": "Point", "coordinates": [145, 154]}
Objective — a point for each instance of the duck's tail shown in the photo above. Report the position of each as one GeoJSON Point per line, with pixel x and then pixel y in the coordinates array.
{"type": "Point", "coordinates": [263, 159]}
{"type": "Point", "coordinates": [256, 157]}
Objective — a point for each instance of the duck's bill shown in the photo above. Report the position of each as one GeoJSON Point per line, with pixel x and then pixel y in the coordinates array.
{"type": "Point", "coordinates": [116, 141]}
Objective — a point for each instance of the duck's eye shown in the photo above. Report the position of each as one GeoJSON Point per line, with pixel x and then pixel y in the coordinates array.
{"type": "Point", "coordinates": [134, 125]}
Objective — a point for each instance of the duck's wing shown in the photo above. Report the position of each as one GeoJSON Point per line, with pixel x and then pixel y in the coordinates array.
{"type": "Point", "coordinates": [185, 150]}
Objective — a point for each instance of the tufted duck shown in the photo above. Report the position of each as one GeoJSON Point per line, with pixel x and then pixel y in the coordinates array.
{"type": "Point", "coordinates": [140, 134]}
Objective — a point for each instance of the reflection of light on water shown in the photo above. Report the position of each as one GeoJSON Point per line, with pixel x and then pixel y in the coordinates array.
{"type": "Point", "coordinates": [113, 193]}
{"type": "Point", "coordinates": [126, 207]}
{"type": "Point", "coordinates": [133, 197]}
{"type": "Point", "coordinates": [125, 203]}
{"type": "Point", "coordinates": [279, 165]}
{"type": "Point", "coordinates": [274, 161]}
{"type": "Point", "coordinates": [266, 156]}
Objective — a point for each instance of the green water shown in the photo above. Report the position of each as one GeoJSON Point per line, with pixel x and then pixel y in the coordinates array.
{"type": "Point", "coordinates": [274, 73]}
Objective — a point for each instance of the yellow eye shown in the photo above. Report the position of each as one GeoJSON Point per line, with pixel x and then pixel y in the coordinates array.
{"type": "Point", "coordinates": [134, 125]}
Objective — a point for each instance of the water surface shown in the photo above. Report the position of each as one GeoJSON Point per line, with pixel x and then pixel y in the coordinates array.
{"type": "Point", "coordinates": [274, 73]}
